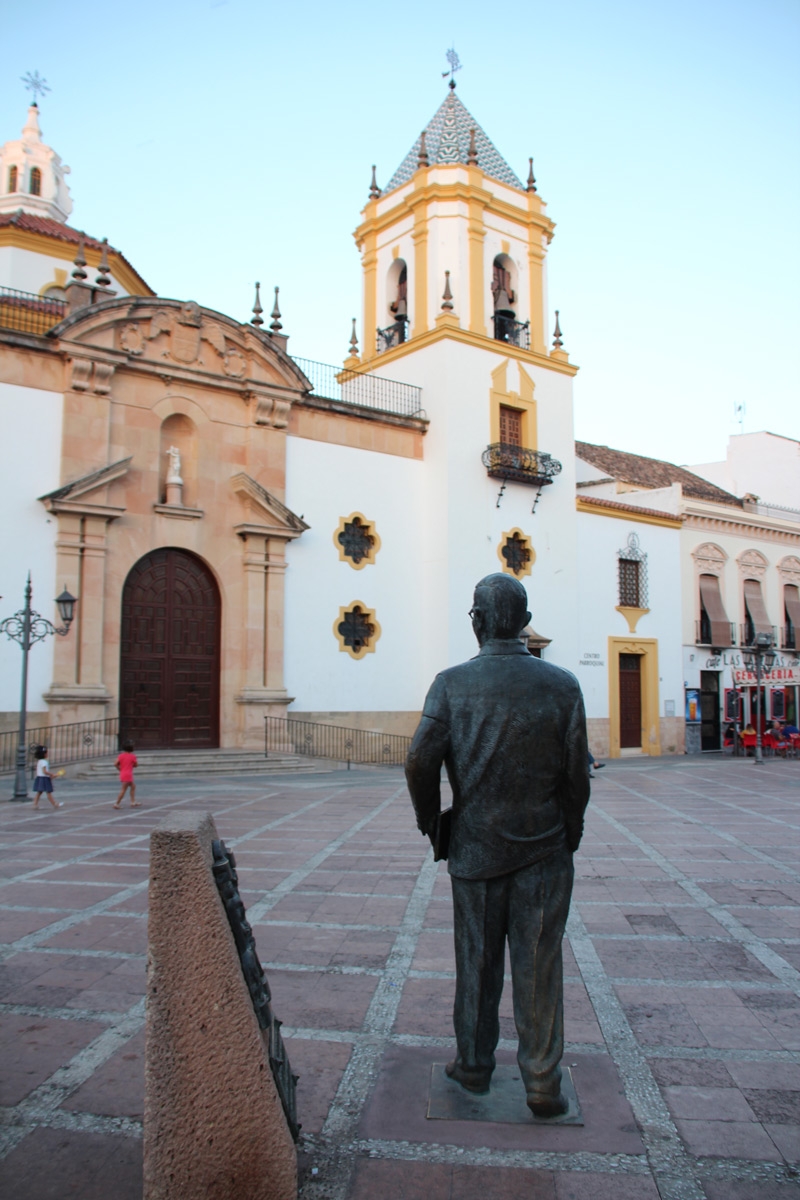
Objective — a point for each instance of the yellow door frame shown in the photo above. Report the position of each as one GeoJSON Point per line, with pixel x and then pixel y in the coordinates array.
{"type": "Point", "coordinates": [647, 649]}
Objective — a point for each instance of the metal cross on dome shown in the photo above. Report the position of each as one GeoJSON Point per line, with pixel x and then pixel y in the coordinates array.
{"type": "Point", "coordinates": [35, 84]}
{"type": "Point", "coordinates": [455, 65]}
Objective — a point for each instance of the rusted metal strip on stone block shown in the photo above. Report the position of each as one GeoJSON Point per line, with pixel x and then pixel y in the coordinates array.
{"type": "Point", "coordinates": [227, 880]}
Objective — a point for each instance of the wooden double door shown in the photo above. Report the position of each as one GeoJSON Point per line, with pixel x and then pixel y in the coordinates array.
{"type": "Point", "coordinates": [170, 657]}
{"type": "Point", "coordinates": [630, 701]}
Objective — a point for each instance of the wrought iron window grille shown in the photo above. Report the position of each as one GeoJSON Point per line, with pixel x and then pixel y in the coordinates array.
{"type": "Point", "coordinates": [356, 629]}
{"type": "Point", "coordinates": [517, 553]}
{"type": "Point", "coordinates": [632, 573]}
{"type": "Point", "coordinates": [356, 540]}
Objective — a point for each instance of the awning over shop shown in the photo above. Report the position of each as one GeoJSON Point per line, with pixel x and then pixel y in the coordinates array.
{"type": "Point", "coordinates": [715, 610]}
{"type": "Point", "coordinates": [755, 606]}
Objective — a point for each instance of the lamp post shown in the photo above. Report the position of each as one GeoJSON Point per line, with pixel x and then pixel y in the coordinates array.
{"type": "Point", "coordinates": [27, 627]}
{"type": "Point", "coordinates": [760, 654]}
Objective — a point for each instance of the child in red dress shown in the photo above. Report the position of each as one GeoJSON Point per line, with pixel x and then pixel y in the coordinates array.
{"type": "Point", "coordinates": [125, 763]}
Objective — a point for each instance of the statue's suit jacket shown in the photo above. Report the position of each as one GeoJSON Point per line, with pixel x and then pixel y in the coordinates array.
{"type": "Point", "coordinates": [511, 731]}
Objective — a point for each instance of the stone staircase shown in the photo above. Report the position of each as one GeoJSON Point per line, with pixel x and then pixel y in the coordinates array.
{"type": "Point", "coordinates": [194, 763]}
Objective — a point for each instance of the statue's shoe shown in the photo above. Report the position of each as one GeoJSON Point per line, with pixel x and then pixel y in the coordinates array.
{"type": "Point", "coordinates": [548, 1106]}
{"type": "Point", "coordinates": [474, 1081]}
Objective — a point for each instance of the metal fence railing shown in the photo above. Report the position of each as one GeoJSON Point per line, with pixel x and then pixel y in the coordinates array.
{"type": "Point", "coordinates": [65, 743]}
{"type": "Point", "coordinates": [368, 391]}
{"type": "Point", "coordinates": [337, 742]}
{"type": "Point", "coordinates": [29, 313]}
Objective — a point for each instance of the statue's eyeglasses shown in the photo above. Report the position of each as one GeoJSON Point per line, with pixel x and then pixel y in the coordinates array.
{"type": "Point", "coordinates": [473, 613]}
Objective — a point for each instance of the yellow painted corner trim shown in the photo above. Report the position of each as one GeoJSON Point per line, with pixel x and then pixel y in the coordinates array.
{"type": "Point", "coordinates": [647, 649]}
{"type": "Point", "coordinates": [368, 646]}
{"type": "Point", "coordinates": [41, 243]}
{"type": "Point", "coordinates": [632, 615]}
{"type": "Point", "coordinates": [420, 341]}
{"type": "Point", "coordinates": [643, 517]}
{"type": "Point", "coordinates": [527, 549]}
{"type": "Point", "coordinates": [370, 535]}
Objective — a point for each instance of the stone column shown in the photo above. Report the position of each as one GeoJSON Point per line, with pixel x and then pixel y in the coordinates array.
{"type": "Point", "coordinates": [78, 692]}
{"type": "Point", "coordinates": [263, 692]}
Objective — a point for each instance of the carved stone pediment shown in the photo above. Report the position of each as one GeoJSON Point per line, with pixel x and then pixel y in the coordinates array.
{"type": "Point", "coordinates": [709, 558]}
{"type": "Point", "coordinates": [181, 335]}
{"type": "Point", "coordinates": [789, 569]}
{"type": "Point", "coordinates": [80, 495]}
{"type": "Point", "coordinates": [752, 564]}
{"type": "Point", "coordinates": [265, 515]}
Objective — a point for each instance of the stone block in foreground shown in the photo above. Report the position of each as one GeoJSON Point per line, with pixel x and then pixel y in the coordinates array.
{"type": "Point", "coordinates": [214, 1126]}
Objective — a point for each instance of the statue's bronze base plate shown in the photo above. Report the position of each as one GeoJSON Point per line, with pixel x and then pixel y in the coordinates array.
{"type": "Point", "coordinates": [503, 1103]}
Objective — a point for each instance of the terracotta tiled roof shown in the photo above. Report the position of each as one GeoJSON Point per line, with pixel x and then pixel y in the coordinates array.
{"type": "Point", "coordinates": [601, 502]}
{"type": "Point", "coordinates": [651, 473]}
{"type": "Point", "coordinates": [63, 233]}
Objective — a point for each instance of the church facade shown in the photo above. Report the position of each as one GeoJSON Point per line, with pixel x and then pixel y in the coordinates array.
{"type": "Point", "coordinates": [249, 534]}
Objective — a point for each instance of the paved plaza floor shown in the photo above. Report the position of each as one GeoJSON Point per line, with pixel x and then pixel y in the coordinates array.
{"type": "Point", "coordinates": [682, 982]}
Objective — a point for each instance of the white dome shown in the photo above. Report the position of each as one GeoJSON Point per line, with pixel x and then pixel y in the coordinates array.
{"type": "Point", "coordinates": [32, 176]}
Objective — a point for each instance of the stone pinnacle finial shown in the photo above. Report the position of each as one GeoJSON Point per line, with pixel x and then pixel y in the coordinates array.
{"type": "Point", "coordinates": [422, 158]}
{"type": "Point", "coordinates": [557, 342]}
{"type": "Point", "coordinates": [103, 279]}
{"type": "Point", "coordinates": [275, 323]}
{"type": "Point", "coordinates": [374, 190]}
{"type": "Point", "coordinates": [256, 318]}
{"type": "Point", "coordinates": [472, 153]}
{"type": "Point", "coordinates": [447, 295]}
{"type": "Point", "coordinates": [531, 179]}
{"type": "Point", "coordinates": [353, 341]}
{"type": "Point", "coordinates": [80, 261]}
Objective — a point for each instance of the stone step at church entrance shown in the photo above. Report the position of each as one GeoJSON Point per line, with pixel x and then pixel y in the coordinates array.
{"type": "Point", "coordinates": [203, 762]}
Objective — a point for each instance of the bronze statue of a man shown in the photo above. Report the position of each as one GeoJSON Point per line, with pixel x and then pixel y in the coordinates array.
{"type": "Point", "coordinates": [511, 732]}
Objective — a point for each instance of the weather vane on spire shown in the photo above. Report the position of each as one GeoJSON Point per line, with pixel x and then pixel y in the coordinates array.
{"type": "Point", "coordinates": [455, 65]}
{"type": "Point", "coordinates": [35, 84]}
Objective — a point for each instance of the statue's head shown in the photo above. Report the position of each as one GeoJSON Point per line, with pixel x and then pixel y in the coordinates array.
{"type": "Point", "coordinates": [499, 608]}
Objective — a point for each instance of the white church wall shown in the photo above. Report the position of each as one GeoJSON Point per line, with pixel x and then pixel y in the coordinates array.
{"type": "Point", "coordinates": [29, 271]}
{"type": "Point", "coordinates": [325, 483]}
{"type": "Point", "coordinates": [30, 455]}
{"type": "Point", "coordinates": [600, 538]}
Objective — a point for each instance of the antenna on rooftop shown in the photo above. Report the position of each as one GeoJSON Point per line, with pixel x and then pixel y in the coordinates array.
{"type": "Point", "coordinates": [455, 65]}
{"type": "Point", "coordinates": [738, 414]}
{"type": "Point", "coordinates": [35, 84]}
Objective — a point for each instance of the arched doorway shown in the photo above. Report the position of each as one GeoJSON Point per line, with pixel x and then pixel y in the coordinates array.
{"type": "Point", "coordinates": [169, 668]}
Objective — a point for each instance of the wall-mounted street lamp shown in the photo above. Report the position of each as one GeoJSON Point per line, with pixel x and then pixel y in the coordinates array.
{"type": "Point", "coordinates": [760, 656]}
{"type": "Point", "coordinates": [27, 627]}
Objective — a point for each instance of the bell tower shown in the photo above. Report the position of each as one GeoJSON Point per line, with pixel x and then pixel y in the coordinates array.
{"type": "Point", "coordinates": [32, 175]}
{"type": "Point", "coordinates": [453, 205]}
{"type": "Point", "coordinates": [455, 302]}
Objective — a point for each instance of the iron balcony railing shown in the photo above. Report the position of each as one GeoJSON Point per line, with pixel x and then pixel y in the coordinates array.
{"type": "Point", "coordinates": [516, 333]}
{"type": "Point", "coordinates": [337, 742]}
{"type": "Point", "coordinates": [518, 464]}
{"type": "Point", "coordinates": [747, 634]}
{"type": "Point", "coordinates": [28, 313]}
{"type": "Point", "coordinates": [65, 743]}
{"type": "Point", "coordinates": [366, 391]}
{"type": "Point", "coordinates": [392, 335]}
{"type": "Point", "coordinates": [702, 634]}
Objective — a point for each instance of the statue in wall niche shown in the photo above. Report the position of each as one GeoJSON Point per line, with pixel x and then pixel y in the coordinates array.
{"type": "Point", "coordinates": [174, 480]}
{"type": "Point", "coordinates": [174, 472]}
{"type": "Point", "coordinates": [511, 731]}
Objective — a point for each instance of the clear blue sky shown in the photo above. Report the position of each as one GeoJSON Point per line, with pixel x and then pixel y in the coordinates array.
{"type": "Point", "coordinates": [216, 142]}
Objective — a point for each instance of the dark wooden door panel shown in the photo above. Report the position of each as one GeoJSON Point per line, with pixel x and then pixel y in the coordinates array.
{"type": "Point", "coordinates": [630, 700]}
{"type": "Point", "coordinates": [169, 673]}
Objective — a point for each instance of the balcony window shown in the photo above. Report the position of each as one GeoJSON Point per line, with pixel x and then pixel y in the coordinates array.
{"type": "Point", "coordinates": [715, 628]}
{"type": "Point", "coordinates": [510, 426]}
{"type": "Point", "coordinates": [755, 619]}
{"type": "Point", "coordinates": [632, 574]}
{"type": "Point", "coordinates": [791, 601]}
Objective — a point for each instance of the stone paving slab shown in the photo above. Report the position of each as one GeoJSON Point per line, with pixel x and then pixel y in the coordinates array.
{"type": "Point", "coordinates": [682, 987]}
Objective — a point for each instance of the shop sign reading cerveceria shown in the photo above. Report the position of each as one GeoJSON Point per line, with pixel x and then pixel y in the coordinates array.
{"type": "Point", "coordinates": [785, 675]}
